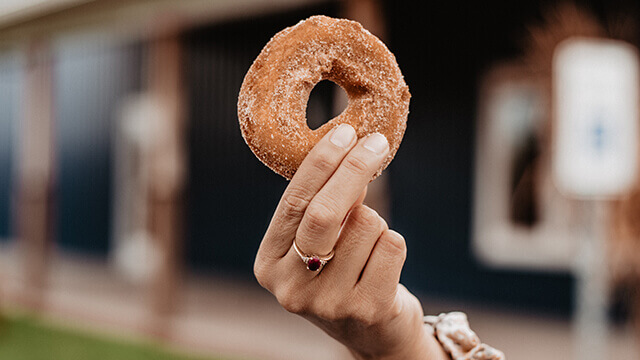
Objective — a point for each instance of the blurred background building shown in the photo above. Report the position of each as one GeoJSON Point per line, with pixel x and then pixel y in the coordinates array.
{"type": "Point", "coordinates": [130, 204]}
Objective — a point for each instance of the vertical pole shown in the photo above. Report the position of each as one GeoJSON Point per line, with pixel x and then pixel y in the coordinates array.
{"type": "Point", "coordinates": [167, 163]}
{"type": "Point", "coordinates": [592, 285]}
{"type": "Point", "coordinates": [35, 188]}
{"type": "Point", "coordinates": [369, 13]}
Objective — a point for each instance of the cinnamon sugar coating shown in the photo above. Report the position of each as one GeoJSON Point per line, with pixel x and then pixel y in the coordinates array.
{"type": "Point", "coordinates": [273, 97]}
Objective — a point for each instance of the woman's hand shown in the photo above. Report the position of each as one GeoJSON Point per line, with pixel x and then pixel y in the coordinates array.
{"type": "Point", "coordinates": [356, 298]}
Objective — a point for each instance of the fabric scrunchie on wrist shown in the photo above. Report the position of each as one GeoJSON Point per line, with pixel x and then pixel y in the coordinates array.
{"type": "Point", "coordinates": [458, 340]}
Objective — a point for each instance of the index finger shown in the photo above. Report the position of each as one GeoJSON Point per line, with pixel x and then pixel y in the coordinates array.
{"type": "Point", "coordinates": [313, 173]}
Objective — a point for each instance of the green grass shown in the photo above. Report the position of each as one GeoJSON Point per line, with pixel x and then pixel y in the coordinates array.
{"type": "Point", "coordinates": [28, 339]}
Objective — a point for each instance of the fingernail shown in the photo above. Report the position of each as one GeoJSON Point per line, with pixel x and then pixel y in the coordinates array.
{"type": "Point", "coordinates": [343, 136]}
{"type": "Point", "coordinates": [376, 143]}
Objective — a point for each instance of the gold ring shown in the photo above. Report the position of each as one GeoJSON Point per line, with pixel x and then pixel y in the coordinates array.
{"type": "Point", "coordinates": [313, 262]}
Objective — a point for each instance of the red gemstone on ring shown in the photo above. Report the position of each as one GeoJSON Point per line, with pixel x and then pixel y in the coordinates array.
{"type": "Point", "coordinates": [314, 263]}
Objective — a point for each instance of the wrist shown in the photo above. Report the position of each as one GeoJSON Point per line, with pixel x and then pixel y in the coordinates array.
{"type": "Point", "coordinates": [423, 346]}
{"type": "Point", "coordinates": [426, 347]}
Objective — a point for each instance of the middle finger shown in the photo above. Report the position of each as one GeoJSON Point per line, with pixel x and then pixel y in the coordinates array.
{"type": "Point", "coordinates": [320, 225]}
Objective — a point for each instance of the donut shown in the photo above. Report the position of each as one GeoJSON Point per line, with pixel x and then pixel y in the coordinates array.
{"type": "Point", "coordinates": [273, 96]}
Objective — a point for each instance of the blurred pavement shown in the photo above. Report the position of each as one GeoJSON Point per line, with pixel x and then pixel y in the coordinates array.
{"type": "Point", "coordinates": [237, 318]}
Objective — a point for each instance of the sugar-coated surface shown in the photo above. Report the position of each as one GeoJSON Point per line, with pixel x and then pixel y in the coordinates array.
{"type": "Point", "coordinates": [273, 98]}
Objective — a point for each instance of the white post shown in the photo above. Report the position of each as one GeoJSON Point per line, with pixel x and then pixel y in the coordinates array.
{"type": "Point", "coordinates": [592, 285]}
{"type": "Point", "coordinates": [595, 159]}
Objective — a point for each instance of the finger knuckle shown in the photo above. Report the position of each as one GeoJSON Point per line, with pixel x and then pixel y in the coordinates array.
{"type": "Point", "coordinates": [293, 306]}
{"type": "Point", "coordinates": [366, 217]}
{"type": "Point", "coordinates": [356, 165]}
{"type": "Point", "coordinates": [295, 203]}
{"type": "Point", "coordinates": [394, 243]}
{"type": "Point", "coordinates": [291, 301]}
{"type": "Point", "coordinates": [319, 217]}
{"type": "Point", "coordinates": [260, 273]}
{"type": "Point", "coordinates": [323, 163]}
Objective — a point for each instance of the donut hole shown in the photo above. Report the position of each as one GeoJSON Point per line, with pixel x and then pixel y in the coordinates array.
{"type": "Point", "coordinates": [325, 103]}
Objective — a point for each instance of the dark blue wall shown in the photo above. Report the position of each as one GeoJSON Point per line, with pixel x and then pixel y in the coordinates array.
{"type": "Point", "coordinates": [10, 85]}
{"type": "Point", "coordinates": [92, 76]}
